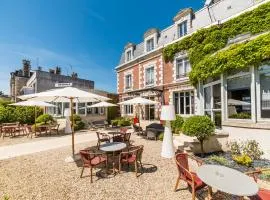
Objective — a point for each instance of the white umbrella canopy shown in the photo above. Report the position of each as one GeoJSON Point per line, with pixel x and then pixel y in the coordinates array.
{"type": "Point", "coordinates": [138, 100]}
{"type": "Point", "coordinates": [102, 104]}
{"type": "Point", "coordinates": [64, 95]}
{"type": "Point", "coordinates": [67, 94]}
{"type": "Point", "coordinates": [33, 103]}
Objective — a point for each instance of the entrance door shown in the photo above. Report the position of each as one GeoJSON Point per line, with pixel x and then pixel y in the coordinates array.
{"type": "Point", "coordinates": [212, 102]}
{"type": "Point", "coordinates": [150, 110]}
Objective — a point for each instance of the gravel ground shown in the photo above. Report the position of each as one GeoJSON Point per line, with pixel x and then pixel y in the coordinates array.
{"type": "Point", "coordinates": [45, 175]}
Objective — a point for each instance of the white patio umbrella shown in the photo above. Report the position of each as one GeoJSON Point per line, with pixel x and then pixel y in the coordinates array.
{"type": "Point", "coordinates": [138, 101]}
{"type": "Point", "coordinates": [67, 94]}
{"type": "Point", "coordinates": [34, 104]}
{"type": "Point", "coordinates": [102, 104]}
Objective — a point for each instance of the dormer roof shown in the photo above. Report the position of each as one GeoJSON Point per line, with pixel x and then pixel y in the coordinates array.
{"type": "Point", "coordinates": [182, 13]}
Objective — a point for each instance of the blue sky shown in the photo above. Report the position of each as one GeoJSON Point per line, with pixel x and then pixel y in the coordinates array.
{"type": "Point", "coordinates": [88, 35]}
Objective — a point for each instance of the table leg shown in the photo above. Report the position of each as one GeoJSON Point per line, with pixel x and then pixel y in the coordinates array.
{"type": "Point", "coordinates": [210, 192]}
{"type": "Point", "coordinates": [113, 163]}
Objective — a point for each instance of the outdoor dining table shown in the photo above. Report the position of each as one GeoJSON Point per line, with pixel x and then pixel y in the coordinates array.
{"type": "Point", "coordinates": [11, 129]}
{"type": "Point", "coordinates": [227, 180]}
{"type": "Point", "coordinates": [113, 147]}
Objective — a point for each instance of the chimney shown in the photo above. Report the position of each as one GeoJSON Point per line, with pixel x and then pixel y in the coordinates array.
{"type": "Point", "coordinates": [26, 68]}
{"type": "Point", "coordinates": [58, 70]}
{"type": "Point", "coordinates": [74, 75]}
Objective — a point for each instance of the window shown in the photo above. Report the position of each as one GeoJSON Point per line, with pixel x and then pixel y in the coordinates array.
{"type": "Point", "coordinates": [129, 55]}
{"type": "Point", "coordinates": [182, 67]}
{"type": "Point", "coordinates": [149, 76]}
{"type": "Point", "coordinates": [101, 111]}
{"type": "Point", "coordinates": [184, 102]}
{"type": "Point", "coordinates": [150, 44]}
{"type": "Point", "coordinates": [128, 81]}
{"type": "Point", "coordinates": [264, 73]}
{"type": "Point", "coordinates": [239, 97]}
{"type": "Point", "coordinates": [182, 29]}
{"type": "Point", "coordinates": [128, 109]}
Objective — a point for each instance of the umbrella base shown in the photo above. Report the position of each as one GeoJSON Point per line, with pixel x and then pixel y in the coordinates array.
{"type": "Point", "coordinates": [72, 158]}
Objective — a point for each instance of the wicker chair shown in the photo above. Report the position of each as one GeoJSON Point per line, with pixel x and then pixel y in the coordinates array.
{"type": "Point", "coordinates": [263, 194]}
{"type": "Point", "coordinates": [102, 137]}
{"type": "Point", "coordinates": [92, 160]}
{"type": "Point", "coordinates": [186, 175]}
{"type": "Point", "coordinates": [132, 156]}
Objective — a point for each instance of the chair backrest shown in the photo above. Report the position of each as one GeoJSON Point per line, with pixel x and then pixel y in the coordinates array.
{"type": "Point", "coordinates": [98, 135]}
{"type": "Point", "coordinates": [123, 130]}
{"type": "Point", "coordinates": [127, 137]}
{"type": "Point", "coordinates": [86, 156]}
{"type": "Point", "coordinates": [182, 163]}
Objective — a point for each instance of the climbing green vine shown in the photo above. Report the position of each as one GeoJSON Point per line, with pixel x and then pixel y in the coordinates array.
{"type": "Point", "coordinates": [202, 45]}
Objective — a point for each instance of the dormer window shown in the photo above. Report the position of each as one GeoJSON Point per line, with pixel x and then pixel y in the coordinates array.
{"type": "Point", "coordinates": [129, 55]}
{"type": "Point", "coordinates": [182, 29]}
{"type": "Point", "coordinates": [150, 45]}
{"type": "Point", "coordinates": [182, 67]}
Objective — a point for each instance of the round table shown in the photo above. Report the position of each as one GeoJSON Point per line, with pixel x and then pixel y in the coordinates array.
{"type": "Point", "coordinates": [227, 180]}
{"type": "Point", "coordinates": [113, 147]}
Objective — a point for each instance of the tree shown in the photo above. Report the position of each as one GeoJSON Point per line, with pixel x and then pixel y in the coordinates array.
{"type": "Point", "coordinates": [199, 126]}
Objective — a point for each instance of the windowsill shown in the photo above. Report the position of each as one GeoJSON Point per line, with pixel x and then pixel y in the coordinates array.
{"type": "Point", "coordinates": [127, 90]}
{"type": "Point", "coordinates": [241, 123]}
{"type": "Point", "coordinates": [150, 85]}
{"type": "Point", "coordinates": [182, 79]}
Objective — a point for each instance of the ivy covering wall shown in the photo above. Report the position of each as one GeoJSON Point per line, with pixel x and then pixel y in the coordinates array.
{"type": "Point", "coordinates": [203, 47]}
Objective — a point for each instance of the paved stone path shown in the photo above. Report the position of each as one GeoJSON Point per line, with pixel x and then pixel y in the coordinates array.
{"type": "Point", "coordinates": [15, 150]}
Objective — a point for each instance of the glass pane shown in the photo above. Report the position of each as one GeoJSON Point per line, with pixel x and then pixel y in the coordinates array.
{"type": "Point", "coordinates": [207, 98]}
{"type": "Point", "coordinates": [217, 119]}
{"type": "Point", "coordinates": [176, 103]}
{"type": "Point", "coordinates": [217, 96]}
{"type": "Point", "coordinates": [192, 102]}
{"type": "Point", "coordinates": [81, 107]}
{"type": "Point", "coordinates": [265, 91]}
{"type": "Point", "coordinates": [187, 103]}
{"type": "Point", "coordinates": [182, 106]}
{"type": "Point", "coordinates": [239, 99]}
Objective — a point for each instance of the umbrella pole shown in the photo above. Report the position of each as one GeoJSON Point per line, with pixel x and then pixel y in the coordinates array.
{"type": "Point", "coordinates": [72, 125]}
{"type": "Point", "coordinates": [35, 121]}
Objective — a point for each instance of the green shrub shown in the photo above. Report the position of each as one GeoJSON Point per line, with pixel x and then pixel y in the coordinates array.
{"type": "Point", "coordinates": [235, 148]}
{"type": "Point", "coordinates": [161, 136]}
{"type": "Point", "coordinates": [177, 124]}
{"type": "Point", "coordinates": [243, 160]}
{"type": "Point", "coordinates": [45, 119]}
{"type": "Point", "coordinates": [242, 115]}
{"type": "Point", "coordinates": [199, 126]}
{"type": "Point", "coordinates": [79, 125]}
{"type": "Point", "coordinates": [121, 121]}
{"type": "Point", "coordinates": [219, 159]}
{"type": "Point", "coordinates": [24, 115]}
{"type": "Point", "coordinates": [76, 118]}
{"type": "Point", "coordinates": [252, 149]}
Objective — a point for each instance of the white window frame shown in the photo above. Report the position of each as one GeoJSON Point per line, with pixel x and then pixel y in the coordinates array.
{"type": "Point", "coordinates": [190, 102]}
{"type": "Point", "coordinates": [145, 75]}
{"type": "Point", "coordinates": [152, 47]}
{"type": "Point", "coordinates": [180, 27]}
{"type": "Point", "coordinates": [128, 109]}
{"type": "Point", "coordinates": [186, 68]}
{"type": "Point", "coordinates": [130, 81]}
{"type": "Point", "coordinates": [129, 55]}
{"type": "Point", "coordinates": [212, 109]}
{"type": "Point", "coordinates": [258, 96]}
{"type": "Point", "coordinates": [252, 95]}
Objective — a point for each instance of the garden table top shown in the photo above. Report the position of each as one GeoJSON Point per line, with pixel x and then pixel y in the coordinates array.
{"type": "Point", "coordinates": [227, 180]}
{"type": "Point", "coordinates": [113, 146]}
